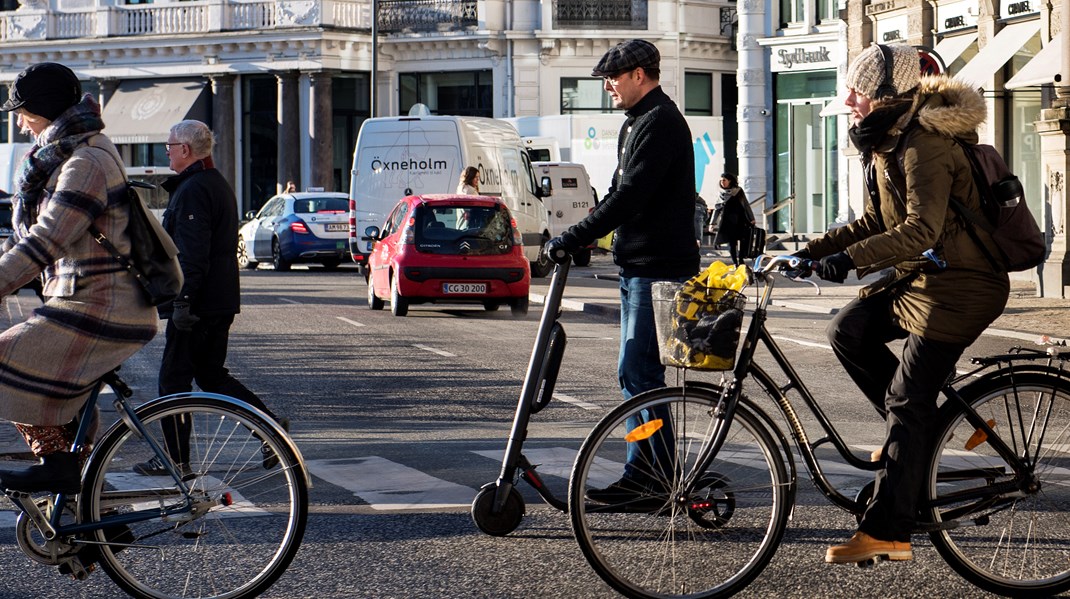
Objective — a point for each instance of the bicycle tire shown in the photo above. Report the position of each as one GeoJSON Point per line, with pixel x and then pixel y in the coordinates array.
{"type": "Point", "coordinates": [1020, 545]}
{"type": "Point", "coordinates": [673, 551]}
{"type": "Point", "coordinates": [228, 552]}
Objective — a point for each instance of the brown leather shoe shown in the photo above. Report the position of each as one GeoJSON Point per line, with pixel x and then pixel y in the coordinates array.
{"type": "Point", "coordinates": [863, 547]}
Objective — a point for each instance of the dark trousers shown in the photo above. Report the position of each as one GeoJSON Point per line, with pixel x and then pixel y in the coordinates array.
{"type": "Point", "coordinates": [904, 391]}
{"type": "Point", "coordinates": [198, 355]}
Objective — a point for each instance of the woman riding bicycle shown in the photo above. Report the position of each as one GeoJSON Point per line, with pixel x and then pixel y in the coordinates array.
{"type": "Point", "coordinates": [95, 315]}
{"type": "Point", "coordinates": [939, 293]}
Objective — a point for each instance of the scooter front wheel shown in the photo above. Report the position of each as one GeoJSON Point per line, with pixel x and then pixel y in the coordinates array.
{"type": "Point", "coordinates": [505, 521]}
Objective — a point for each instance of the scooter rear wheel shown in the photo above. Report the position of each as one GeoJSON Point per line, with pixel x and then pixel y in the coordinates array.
{"type": "Point", "coordinates": [502, 523]}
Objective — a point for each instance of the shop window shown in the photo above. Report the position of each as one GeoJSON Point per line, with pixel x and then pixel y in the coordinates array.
{"type": "Point", "coordinates": [791, 11]}
{"type": "Point", "coordinates": [584, 94]}
{"type": "Point", "coordinates": [351, 101]}
{"type": "Point", "coordinates": [698, 94]}
{"type": "Point", "coordinates": [261, 140]}
{"type": "Point", "coordinates": [827, 11]}
{"type": "Point", "coordinates": [462, 93]}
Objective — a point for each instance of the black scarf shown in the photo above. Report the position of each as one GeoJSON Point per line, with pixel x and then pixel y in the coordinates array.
{"type": "Point", "coordinates": [51, 149]}
{"type": "Point", "coordinates": [874, 127]}
{"type": "Point", "coordinates": [729, 193]}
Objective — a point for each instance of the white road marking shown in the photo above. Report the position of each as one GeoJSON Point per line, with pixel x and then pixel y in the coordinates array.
{"type": "Point", "coordinates": [805, 343]}
{"type": "Point", "coordinates": [586, 405]}
{"type": "Point", "coordinates": [352, 322]}
{"type": "Point", "coordinates": [289, 301]}
{"type": "Point", "coordinates": [388, 485]}
{"type": "Point", "coordinates": [434, 351]}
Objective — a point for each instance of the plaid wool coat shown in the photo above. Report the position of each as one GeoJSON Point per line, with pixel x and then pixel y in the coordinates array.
{"type": "Point", "coordinates": [95, 315]}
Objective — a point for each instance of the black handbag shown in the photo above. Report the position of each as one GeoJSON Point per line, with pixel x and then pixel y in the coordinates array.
{"type": "Point", "coordinates": [753, 243]}
{"type": "Point", "coordinates": [153, 255]}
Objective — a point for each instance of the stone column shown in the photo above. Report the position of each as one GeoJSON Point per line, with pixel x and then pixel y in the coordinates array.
{"type": "Point", "coordinates": [289, 115]}
{"type": "Point", "coordinates": [753, 111]}
{"type": "Point", "coordinates": [225, 130]}
{"type": "Point", "coordinates": [1054, 129]}
{"type": "Point", "coordinates": [321, 130]}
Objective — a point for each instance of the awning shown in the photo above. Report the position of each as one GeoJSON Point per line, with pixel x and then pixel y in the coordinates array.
{"type": "Point", "coordinates": [143, 111]}
{"type": "Point", "coordinates": [952, 47]}
{"type": "Point", "coordinates": [997, 52]}
{"type": "Point", "coordinates": [1043, 68]}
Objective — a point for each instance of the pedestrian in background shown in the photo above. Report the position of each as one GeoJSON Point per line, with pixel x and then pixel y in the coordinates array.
{"type": "Point", "coordinates": [202, 218]}
{"type": "Point", "coordinates": [737, 218]}
{"type": "Point", "coordinates": [95, 314]}
{"type": "Point", "coordinates": [469, 184]}
{"type": "Point", "coordinates": [701, 214]}
{"type": "Point", "coordinates": [904, 127]}
{"type": "Point", "coordinates": [651, 205]}
{"type": "Point", "coordinates": [291, 187]}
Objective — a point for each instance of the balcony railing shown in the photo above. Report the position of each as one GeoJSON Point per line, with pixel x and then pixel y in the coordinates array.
{"type": "Point", "coordinates": [204, 16]}
{"type": "Point", "coordinates": [600, 14]}
{"type": "Point", "coordinates": [401, 16]}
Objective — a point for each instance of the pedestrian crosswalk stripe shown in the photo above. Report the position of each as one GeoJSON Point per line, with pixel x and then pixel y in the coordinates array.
{"type": "Point", "coordinates": [557, 461]}
{"type": "Point", "coordinates": [387, 485]}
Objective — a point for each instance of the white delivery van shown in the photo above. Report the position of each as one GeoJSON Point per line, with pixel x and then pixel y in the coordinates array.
{"type": "Point", "coordinates": [11, 155]}
{"type": "Point", "coordinates": [401, 156]}
{"type": "Point", "coordinates": [569, 197]}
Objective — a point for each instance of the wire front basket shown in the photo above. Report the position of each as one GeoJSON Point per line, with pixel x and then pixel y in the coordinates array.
{"type": "Point", "coordinates": [697, 327]}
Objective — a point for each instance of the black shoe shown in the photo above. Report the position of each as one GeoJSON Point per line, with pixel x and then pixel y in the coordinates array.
{"type": "Point", "coordinates": [154, 467]}
{"type": "Point", "coordinates": [631, 493]}
{"type": "Point", "coordinates": [270, 459]}
{"type": "Point", "coordinates": [58, 472]}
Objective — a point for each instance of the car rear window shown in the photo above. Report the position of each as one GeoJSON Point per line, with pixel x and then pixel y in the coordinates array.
{"type": "Point", "coordinates": [467, 230]}
{"type": "Point", "coordinates": [319, 205]}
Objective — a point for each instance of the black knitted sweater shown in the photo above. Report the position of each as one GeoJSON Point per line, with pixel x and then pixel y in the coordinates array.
{"type": "Point", "coordinates": [651, 202]}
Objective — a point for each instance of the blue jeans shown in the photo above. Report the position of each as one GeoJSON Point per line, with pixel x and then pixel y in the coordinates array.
{"type": "Point", "coordinates": [639, 369]}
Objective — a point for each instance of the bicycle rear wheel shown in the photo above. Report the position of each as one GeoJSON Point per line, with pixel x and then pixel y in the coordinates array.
{"type": "Point", "coordinates": [710, 542]}
{"type": "Point", "coordinates": [1013, 536]}
{"type": "Point", "coordinates": [247, 522]}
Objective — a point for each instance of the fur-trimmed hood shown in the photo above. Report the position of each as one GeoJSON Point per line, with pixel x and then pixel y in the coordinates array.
{"type": "Point", "coordinates": [947, 106]}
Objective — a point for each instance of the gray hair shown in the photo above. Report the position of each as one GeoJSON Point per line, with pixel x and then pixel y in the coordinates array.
{"type": "Point", "coordinates": [196, 135]}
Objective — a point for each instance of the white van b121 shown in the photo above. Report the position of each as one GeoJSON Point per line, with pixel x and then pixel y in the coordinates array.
{"type": "Point", "coordinates": [569, 197]}
{"type": "Point", "coordinates": [402, 156]}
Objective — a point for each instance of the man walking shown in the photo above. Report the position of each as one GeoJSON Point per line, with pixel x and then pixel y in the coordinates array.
{"type": "Point", "coordinates": [202, 218]}
{"type": "Point", "coordinates": [651, 205]}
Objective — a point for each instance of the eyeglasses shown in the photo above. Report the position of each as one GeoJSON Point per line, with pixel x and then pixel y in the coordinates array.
{"type": "Point", "coordinates": [615, 79]}
{"type": "Point", "coordinates": [167, 145]}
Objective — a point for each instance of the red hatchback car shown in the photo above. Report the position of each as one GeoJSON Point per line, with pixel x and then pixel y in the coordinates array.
{"type": "Point", "coordinates": [448, 249]}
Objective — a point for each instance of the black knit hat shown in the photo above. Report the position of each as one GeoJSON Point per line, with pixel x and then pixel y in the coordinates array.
{"type": "Point", "coordinates": [46, 89]}
{"type": "Point", "coordinates": [627, 56]}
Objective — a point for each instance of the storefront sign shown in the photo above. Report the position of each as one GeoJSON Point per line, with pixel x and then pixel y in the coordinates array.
{"type": "Point", "coordinates": [1017, 8]}
{"type": "Point", "coordinates": [891, 29]}
{"type": "Point", "coordinates": [955, 15]}
{"type": "Point", "coordinates": [804, 57]}
{"type": "Point", "coordinates": [883, 6]}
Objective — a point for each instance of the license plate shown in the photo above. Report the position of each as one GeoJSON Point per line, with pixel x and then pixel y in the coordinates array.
{"type": "Point", "coordinates": [469, 288]}
{"type": "Point", "coordinates": [338, 226]}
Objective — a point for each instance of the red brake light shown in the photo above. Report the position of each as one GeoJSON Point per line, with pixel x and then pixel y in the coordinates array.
{"type": "Point", "coordinates": [299, 227]}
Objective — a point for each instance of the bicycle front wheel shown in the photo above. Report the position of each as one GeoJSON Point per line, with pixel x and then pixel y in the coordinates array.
{"type": "Point", "coordinates": [1006, 531]}
{"type": "Point", "coordinates": [236, 530]}
{"type": "Point", "coordinates": [687, 531]}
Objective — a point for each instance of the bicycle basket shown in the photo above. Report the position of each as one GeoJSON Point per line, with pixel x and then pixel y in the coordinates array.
{"type": "Point", "coordinates": [697, 327]}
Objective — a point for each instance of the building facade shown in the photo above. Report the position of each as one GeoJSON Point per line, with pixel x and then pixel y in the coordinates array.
{"type": "Point", "coordinates": [285, 84]}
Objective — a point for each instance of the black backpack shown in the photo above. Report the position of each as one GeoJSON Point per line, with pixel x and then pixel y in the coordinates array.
{"type": "Point", "coordinates": [1020, 244]}
{"type": "Point", "coordinates": [153, 255]}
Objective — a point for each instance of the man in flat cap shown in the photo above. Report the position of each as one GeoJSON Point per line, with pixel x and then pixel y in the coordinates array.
{"type": "Point", "coordinates": [651, 205]}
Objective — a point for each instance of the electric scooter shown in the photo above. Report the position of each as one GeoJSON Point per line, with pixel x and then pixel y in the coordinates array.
{"type": "Point", "coordinates": [498, 507]}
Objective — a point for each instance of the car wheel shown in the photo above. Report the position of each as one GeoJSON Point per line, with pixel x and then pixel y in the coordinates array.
{"type": "Point", "coordinates": [277, 260]}
{"type": "Point", "coordinates": [519, 306]}
{"type": "Point", "coordinates": [582, 257]}
{"type": "Point", "coordinates": [490, 306]}
{"type": "Point", "coordinates": [542, 266]}
{"type": "Point", "coordinates": [245, 260]}
{"type": "Point", "coordinates": [331, 264]}
{"type": "Point", "coordinates": [399, 306]}
{"type": "Point", "coordinates": [373, 300]}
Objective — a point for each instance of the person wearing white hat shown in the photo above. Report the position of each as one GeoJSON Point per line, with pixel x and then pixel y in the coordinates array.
{"type": "Point", "coordinates": [938, 292]}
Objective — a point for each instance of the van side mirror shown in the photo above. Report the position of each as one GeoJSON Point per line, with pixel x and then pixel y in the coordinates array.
{"type": "Point", "coordinates": [371, 234]}
{"type": "Point", "coordinates": [546, 188]}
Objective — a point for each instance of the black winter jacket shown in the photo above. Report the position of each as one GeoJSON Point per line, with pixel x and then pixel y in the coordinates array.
{"type": "Point", "coordinates": [202, 218]}
{"type": "Point", "coordinates": [651, 202]}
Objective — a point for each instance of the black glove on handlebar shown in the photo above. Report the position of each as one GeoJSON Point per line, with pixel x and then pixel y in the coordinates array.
{"type": "Point", "coordinates": [559, 250]}
{"type": "Point", "coordinates": [804, 271]}
{"type": "Point", "coordinates": [834, 268]}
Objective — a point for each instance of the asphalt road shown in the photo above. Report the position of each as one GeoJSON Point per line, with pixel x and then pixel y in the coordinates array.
{"type": "Point", "coordinates": [401, 420]}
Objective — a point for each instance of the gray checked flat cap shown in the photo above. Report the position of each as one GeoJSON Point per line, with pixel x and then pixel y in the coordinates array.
{"type": "Point", "coordinates": [626, 56]}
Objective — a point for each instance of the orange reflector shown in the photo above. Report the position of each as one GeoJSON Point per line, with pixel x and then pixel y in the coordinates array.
{"type": "Point", "coordinates": [979, 436]}
{"type": "Point", "coordinates": [227, 499]}
{"type": "Point", "coordinates": [644, 431]}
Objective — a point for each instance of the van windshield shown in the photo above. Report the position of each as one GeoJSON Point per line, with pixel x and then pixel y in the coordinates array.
{"type": "Point", "coordinates": [463, 230]}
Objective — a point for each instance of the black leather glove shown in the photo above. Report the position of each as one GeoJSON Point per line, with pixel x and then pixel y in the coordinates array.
{"type": "Point", "coordinates": [559, 250]}
{"type": "Point", "coordinates": [834, 268]}
{"type": "Point", "coordinates": [182, 318]}
{"type": "Point", "coordinates": [802, 272]}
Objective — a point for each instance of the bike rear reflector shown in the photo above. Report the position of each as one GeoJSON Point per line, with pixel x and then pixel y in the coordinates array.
{"type": "Point", "coordinates": [979, 436]}
{"type": "Point", "coordinates": [644, 431]}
